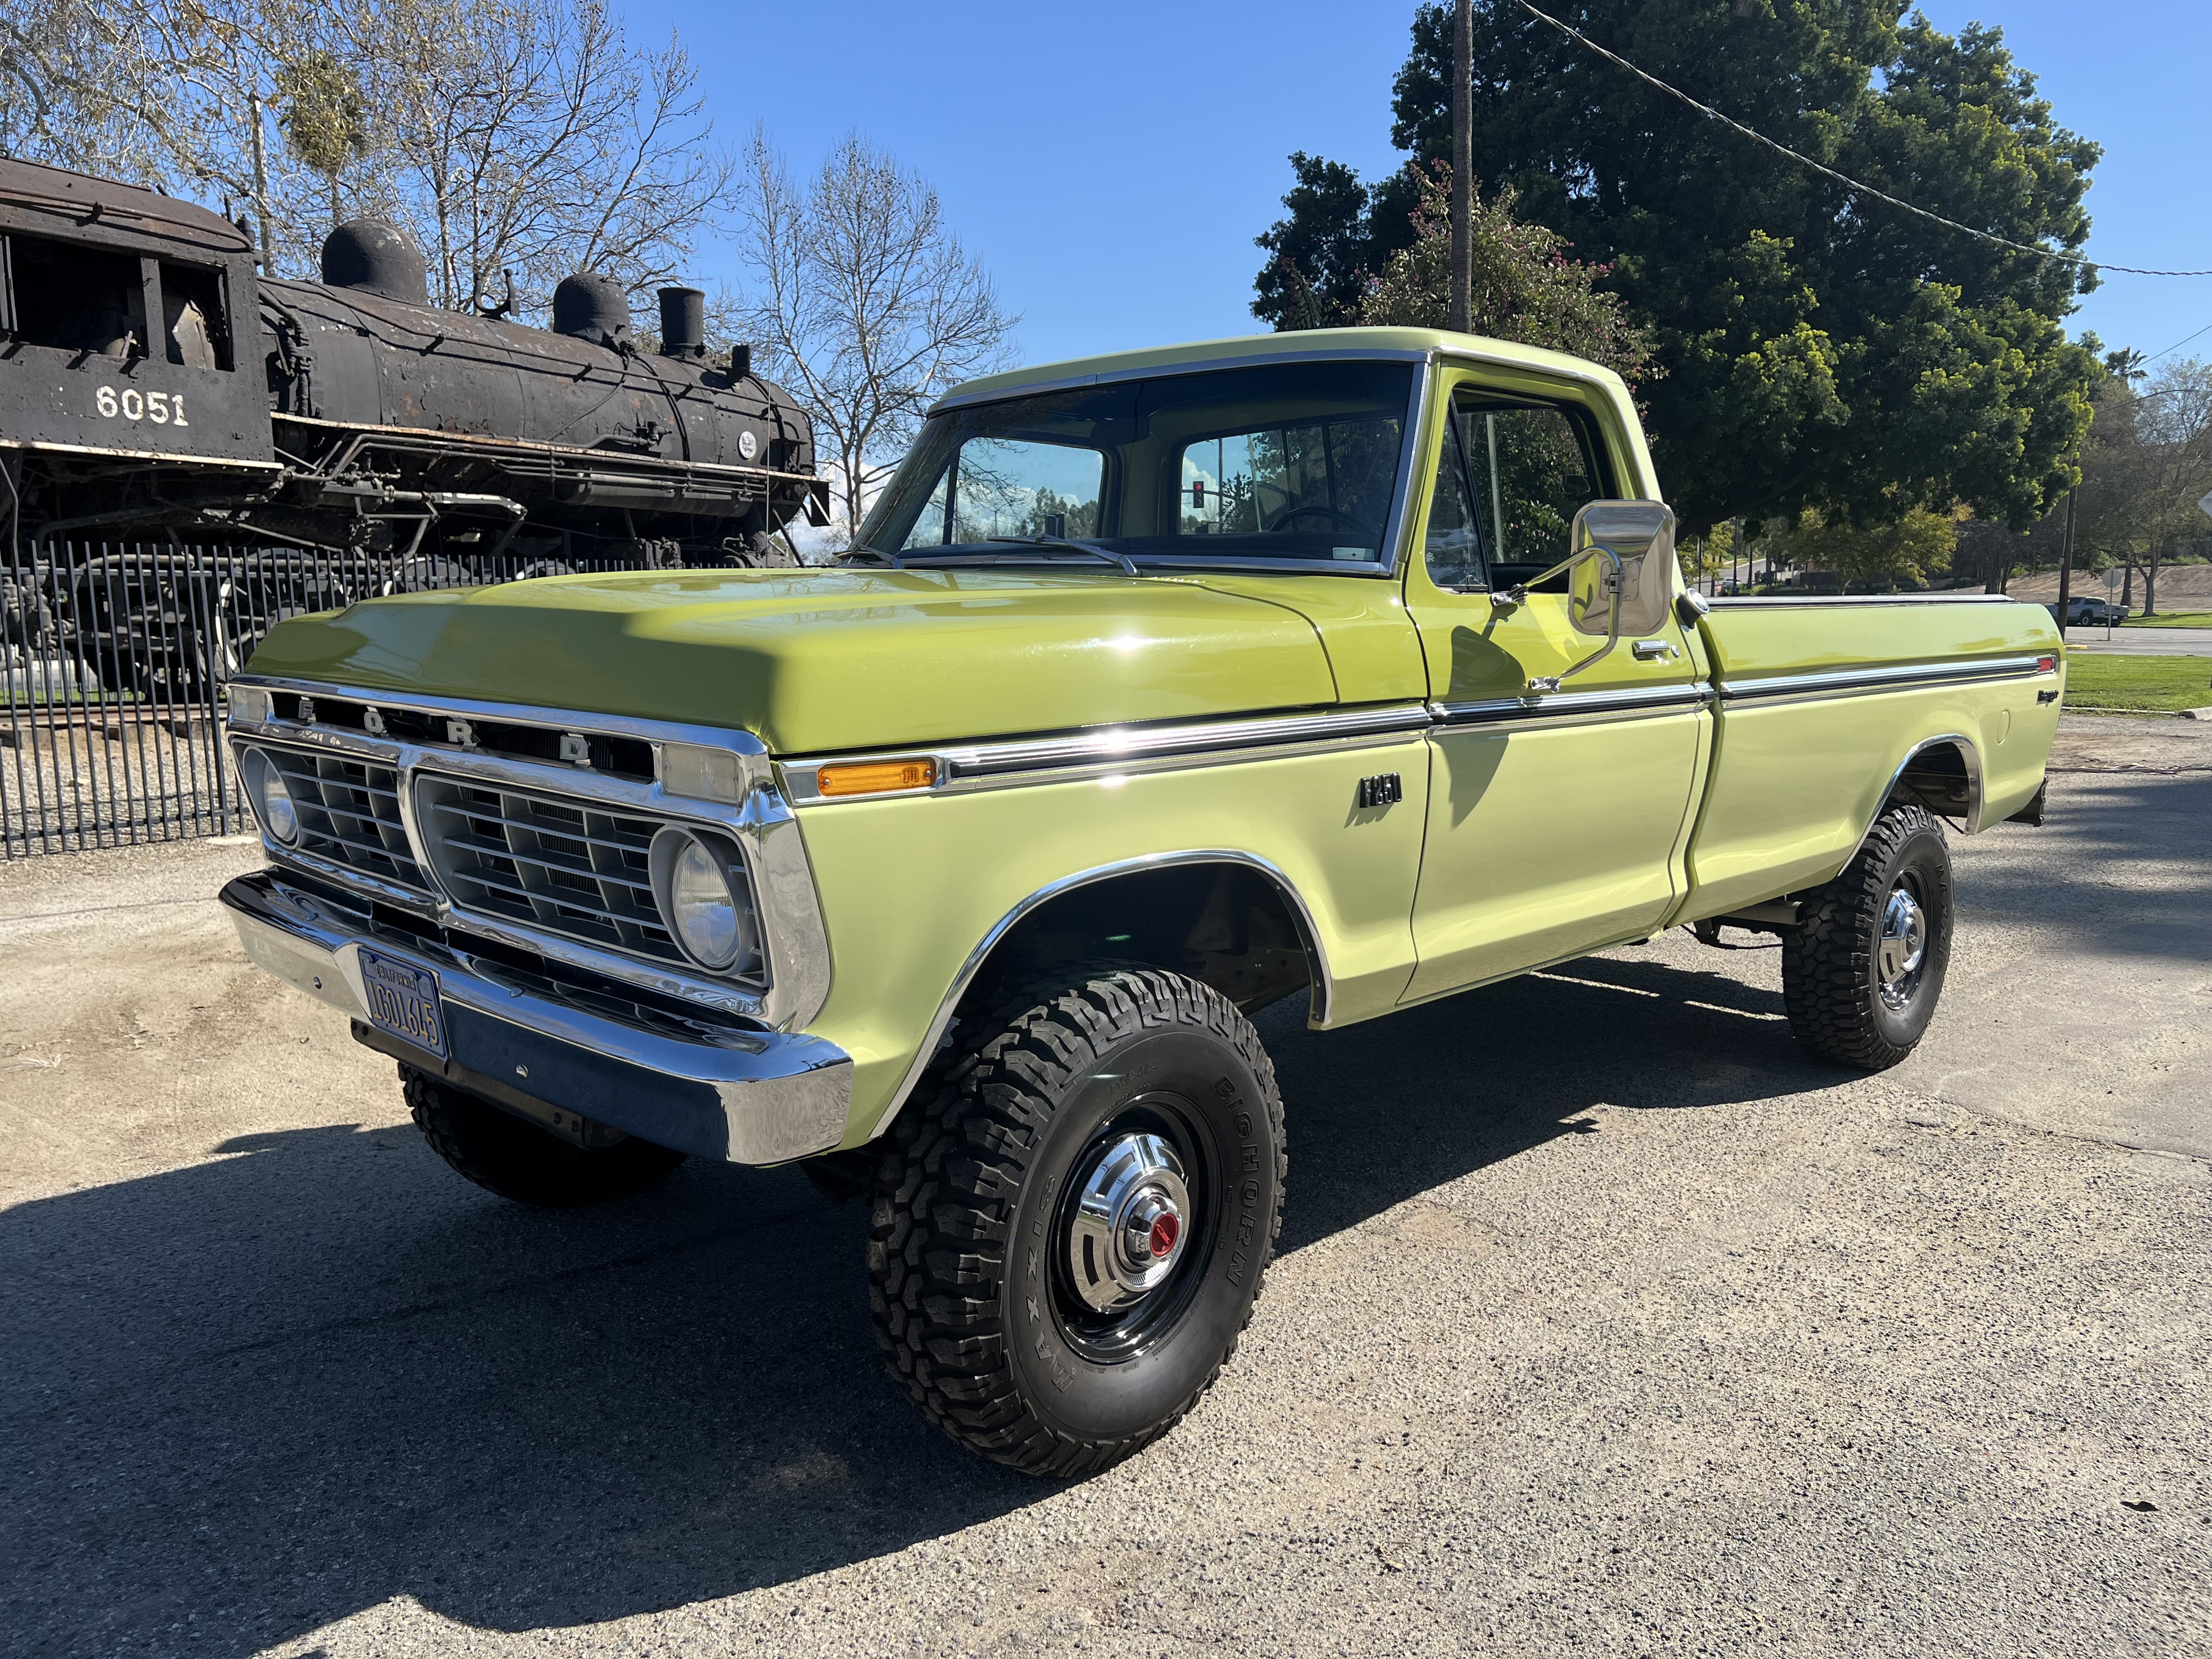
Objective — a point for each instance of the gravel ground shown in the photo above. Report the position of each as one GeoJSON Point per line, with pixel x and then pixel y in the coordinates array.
{"type": "Point", "coordinates": [1604, 1322]}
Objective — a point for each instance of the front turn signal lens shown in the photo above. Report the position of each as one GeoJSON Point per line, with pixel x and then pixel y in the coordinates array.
{"type": "Point", "coordinates": [875, 777]}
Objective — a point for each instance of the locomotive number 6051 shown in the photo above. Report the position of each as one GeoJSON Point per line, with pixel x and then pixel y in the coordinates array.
{"type": "Point", "coordinates": [162, 408]}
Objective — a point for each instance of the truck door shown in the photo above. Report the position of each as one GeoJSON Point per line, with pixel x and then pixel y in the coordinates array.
{"type": "Point", "coordinates": [1557, 822]}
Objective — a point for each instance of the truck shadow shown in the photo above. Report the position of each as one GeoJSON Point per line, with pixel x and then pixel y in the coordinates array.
{"type": "Point", "coordinates": [317, 1370]}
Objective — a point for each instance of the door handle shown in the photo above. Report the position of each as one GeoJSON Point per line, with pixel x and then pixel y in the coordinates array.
{"type": "Point", "coordinates": [1652, 650]}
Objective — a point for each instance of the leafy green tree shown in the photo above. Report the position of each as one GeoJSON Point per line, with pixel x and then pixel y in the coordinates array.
{"type": "Point", "coordinates": [1906, 553]}
{"type": "Point", "coordinates": [1525, 287]}
{"type": "Point", "coordinates": [1708, 554]}
{"type": "Point", "coordinates": [1817, 349]}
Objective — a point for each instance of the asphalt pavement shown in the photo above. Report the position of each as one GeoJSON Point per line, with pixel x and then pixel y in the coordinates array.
{"type": "Point", "coordinates": [1606, 1321]}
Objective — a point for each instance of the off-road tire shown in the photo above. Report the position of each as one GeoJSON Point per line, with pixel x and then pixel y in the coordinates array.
{"type": "Point", "coordinates": [1830, 983]}
{"type": "Point", "coordinates": [969, 1325]}
{"type": "Point", "coordinates": [506, 1154]}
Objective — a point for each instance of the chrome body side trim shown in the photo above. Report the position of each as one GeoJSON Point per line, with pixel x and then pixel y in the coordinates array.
{"type": "Point", "coordinates": [714, 1090]}
{"type": "Point", "coordinates": [1820, 601]}
{"type": "Point", "coordinates": [1317, 954]}
{"type": "Point", "coordinates": [1130, 749]}
{"type": "Point", "coordinates": [1121, 749]}
{"type": "Point", "coordinates": [1576, 707]}
{"type": "Point", "coordinates": [795, 937]}
{"type": "Point", "coordinates": [1890, 676]}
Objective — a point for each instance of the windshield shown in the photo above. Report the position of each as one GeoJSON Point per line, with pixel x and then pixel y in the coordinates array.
{"type": "Point", "coordinates": [1291, 464]}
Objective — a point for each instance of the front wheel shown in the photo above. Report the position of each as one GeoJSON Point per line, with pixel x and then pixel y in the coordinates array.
{"type": "Point", "coordinates": [1069, 1234]}
{"type": "Point", "coordinates": [1864, 968]}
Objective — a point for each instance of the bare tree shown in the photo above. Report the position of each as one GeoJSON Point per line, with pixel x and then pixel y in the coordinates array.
{"type": "Point", "coordinates": [522, 135]}
{"type": "Point", "coordinates": [862, 300]}
{"type": "Point", "coordinates": [2147, 458]}
{"type": "Point", "coordinates": [537, 141]}
{"type": "Point", "coordinates": [105, 86]}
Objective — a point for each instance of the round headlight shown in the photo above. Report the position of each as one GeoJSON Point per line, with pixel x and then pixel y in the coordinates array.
{"type": "Point", "coordinates": [692, 880]}
{"type": "Point", "coordinates": [270, 800]}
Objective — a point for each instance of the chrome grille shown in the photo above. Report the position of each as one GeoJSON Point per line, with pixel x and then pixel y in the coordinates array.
{"type": "Point", "coordinates": [349, 815]}
{"type": "Point", "coordinates": [569, 866]}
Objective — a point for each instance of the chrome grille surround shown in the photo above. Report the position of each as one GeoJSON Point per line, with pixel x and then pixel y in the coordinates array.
{"type": "Point", "coordinates": [349, 815]}
{"type": "Point", "coordinates": [562, 862]}
{"type": "Point", "coordinates": [782, 986]}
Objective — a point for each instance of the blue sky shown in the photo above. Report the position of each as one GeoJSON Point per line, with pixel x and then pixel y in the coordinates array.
{"type": "Point", "coordinates": [1112, 164]}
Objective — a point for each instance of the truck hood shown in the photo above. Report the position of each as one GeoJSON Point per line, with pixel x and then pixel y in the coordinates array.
{"type": "Point", "coordinates": [814, 661]}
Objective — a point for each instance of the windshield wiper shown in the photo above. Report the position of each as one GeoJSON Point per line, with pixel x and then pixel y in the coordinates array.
{"type": "Point", "coordinates": [1129, 565]}
{"type": "Point", "coordinates": [891, 560]}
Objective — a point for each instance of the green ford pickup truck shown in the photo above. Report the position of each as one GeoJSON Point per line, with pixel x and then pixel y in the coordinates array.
{"type": "Point", "coordinates": [1353, 664]}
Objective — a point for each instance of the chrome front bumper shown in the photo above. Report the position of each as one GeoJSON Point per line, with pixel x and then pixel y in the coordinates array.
{"type": "Point", "coordinates": [543, 1046]}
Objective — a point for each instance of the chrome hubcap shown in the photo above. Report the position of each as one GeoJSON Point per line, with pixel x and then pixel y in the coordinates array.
{"type": "Point", "coordinates": [1132, 1211]}
{"type": "Point", "coordinates": [1904, 946]}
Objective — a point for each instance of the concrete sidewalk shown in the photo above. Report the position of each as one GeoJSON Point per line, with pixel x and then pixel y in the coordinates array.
{"type": "Point", "coordinates": [2143, 641]}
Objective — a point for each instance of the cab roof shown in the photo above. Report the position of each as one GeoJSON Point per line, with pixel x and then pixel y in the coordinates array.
{"type": "Point", "coordinates": [80, 206]}
{"type": "Point", "coordinates": [1404, 344]}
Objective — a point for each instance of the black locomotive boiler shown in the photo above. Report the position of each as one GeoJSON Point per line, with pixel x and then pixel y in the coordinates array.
{"type": "Point", "coordinates": [155, 387]}
{"type": "Point", "coordinates": [150, 379]}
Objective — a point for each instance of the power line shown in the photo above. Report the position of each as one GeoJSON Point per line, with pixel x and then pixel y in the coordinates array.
{"type": "Point", "coordinates": [2177, 346]}
{"type": "Point", "coordinates": [1712, 114]}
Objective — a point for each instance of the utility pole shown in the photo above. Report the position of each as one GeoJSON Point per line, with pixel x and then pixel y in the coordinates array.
{"type": "Point", "coordinates": [1461, 316]}
{"type": "Point", "coordinates": [2066, 562]}
{"type": "Point", "coordinates": [261, 186]}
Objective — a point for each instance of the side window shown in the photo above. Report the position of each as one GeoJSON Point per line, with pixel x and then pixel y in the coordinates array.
{"type": "Point", "coordinates": [1453, 543]}
{"type": "Point", "coordinates": [1535, 466]}
{"type": "Point", "coordinates": [191, 316]}
{"type": "Point", "coordinates": [77, 298]}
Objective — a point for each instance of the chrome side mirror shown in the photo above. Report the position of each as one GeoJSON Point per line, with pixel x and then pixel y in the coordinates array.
{"type": "Point", "coordinates": [1620, 577]}
{"type": "Point", "coordinates": [1639, 536]}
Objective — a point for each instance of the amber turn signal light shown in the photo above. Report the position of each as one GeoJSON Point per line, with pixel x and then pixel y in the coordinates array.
{"type": "Point", "coordinates": [875, 777]}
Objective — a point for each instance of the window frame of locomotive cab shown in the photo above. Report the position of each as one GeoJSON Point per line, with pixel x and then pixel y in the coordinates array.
{"type": "Point", "coordinates": [123, 329]}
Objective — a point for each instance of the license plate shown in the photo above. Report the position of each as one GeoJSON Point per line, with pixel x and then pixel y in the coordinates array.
{"type": "Point", "coordinates": [402, 1000]}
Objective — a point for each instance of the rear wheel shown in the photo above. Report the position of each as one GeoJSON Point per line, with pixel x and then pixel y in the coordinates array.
{"type": "Point", "coordinates": [1864, 968]}
{"type": "Point", "coordinates": [505, 1154]}
{"type": "Point", "coordinates": [1069, 1234]}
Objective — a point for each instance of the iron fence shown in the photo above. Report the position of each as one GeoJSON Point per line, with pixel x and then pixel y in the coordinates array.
{"type": "Point", "coordinates": [115, 661]}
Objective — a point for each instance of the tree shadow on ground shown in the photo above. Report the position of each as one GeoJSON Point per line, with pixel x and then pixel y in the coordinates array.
{"type": "Point", "coordinates": [251, 1396]}
{"type": "Point", "coordinates": [2138, 868]}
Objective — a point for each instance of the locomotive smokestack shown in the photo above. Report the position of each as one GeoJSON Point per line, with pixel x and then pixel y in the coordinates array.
{"type": "Point", "coordinates": [683, 323]}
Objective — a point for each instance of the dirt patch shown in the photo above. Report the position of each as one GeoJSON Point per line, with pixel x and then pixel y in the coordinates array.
{"type": "Point", "coordinates": [2131, 743]}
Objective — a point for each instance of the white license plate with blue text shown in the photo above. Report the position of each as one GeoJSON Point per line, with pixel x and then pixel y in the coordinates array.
{"type": "Point", "coordinates": [402, 1000]}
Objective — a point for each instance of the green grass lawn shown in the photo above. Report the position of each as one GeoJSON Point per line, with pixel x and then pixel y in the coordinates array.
{"type": "Point", "coordinates": [2171, 619]}
{"type": "Point", "coordinates": [2117, 684]}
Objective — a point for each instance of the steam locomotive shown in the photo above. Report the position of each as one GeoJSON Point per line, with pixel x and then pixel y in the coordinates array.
{"type": "Point", "coordinates": [153, 384]}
